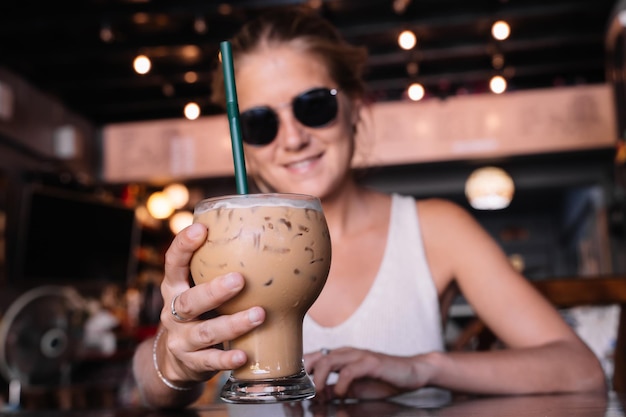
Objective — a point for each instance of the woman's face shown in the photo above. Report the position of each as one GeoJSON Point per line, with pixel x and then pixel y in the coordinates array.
{"type": "Point", "coordinates": [300, 159]}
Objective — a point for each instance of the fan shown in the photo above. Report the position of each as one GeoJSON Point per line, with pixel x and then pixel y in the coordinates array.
{"type": "Point", "coordinates": [40, 338]}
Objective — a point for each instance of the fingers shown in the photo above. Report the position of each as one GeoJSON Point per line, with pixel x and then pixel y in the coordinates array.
{"type": "Point", "coordinates": [198, 300]}
{"type": "Point", "coordinates": [321, 365]}
{"type": "Point", "coordinates": [217, 330]}
{"type": "Point", "coordinates": [359, 373]}
{"type": "Point", "coordinates": [195, 346]}
{"type": "Point", "coordinates": [193, 340]}
{"type": "Point", "coordinates": [179, 254]}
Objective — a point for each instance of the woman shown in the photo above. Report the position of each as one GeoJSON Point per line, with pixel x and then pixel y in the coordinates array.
{"type": "Point", "coordinates": [376, 324]}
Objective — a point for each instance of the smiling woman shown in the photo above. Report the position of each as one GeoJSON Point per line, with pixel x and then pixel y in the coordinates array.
{"type": "Point", "coordinates": [375, 331]}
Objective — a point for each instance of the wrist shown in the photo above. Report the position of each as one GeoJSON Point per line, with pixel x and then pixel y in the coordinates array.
{"type": "Point", "coordinates": [427, 367]}
{"type": "Point", "coordinates": [157, 355]}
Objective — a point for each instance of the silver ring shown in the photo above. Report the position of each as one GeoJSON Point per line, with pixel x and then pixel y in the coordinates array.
{"type": "Point", "coordinates": [324, 351]}
{"type": "Point", "coordinates": [174, 313]}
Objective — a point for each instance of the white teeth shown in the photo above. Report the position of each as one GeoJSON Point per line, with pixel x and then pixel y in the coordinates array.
{"type": "Point", "coordinates": [301, 164]}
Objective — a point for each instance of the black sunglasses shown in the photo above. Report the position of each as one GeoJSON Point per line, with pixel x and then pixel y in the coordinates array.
{"type": "Point", "coordinates": [313, 108]}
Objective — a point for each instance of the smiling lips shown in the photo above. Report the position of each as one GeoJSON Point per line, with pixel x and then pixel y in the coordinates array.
{"type": "Point", "coordinates": [303, 165]}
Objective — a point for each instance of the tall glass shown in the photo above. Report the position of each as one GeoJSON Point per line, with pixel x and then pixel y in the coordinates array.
{"type": "Point", "coordinates": [281, 245]}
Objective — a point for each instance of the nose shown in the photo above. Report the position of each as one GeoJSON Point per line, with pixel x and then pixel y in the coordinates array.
{"type": "Point", "coordinates": [291, 134]}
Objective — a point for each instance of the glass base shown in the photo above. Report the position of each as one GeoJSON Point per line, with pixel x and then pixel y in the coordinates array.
{"type": "Point", "coordinates": [293, 388]}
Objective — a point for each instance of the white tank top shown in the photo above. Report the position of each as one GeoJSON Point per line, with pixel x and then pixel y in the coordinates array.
{"type": "Point", "coordinates": [400, 314]}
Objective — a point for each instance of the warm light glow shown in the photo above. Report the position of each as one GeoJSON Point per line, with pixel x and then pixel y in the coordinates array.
{"type": "Point", "coordinates": [178, 195]}
{"type": "Point", "coordinates": [141, 18]}
{"type": "Point", "coordinates": [407, 40]}
{"type": "Point", "coordinates": [497, 60]}
{"type": "Point", "coordinates": [191, 77]}
{"type": "Point", "coordinates": [190, 52]}
{"type": "Point", "coordinates": [192, 111]}
{"type": "Point", "coordinates": [199, 25]}
{"type": "Point", "coordinates": [142, 64]}
{"type": "Point", "coordinates": [168, 90]}
{"type": "Point", "coordinates": [106, 34]}
{"type": "Point", "coordinates": [500, 30]}
{"type": "Point", "coordinates": [497, 84]}
{"type": "Point", "coordinates": [399, 6]}
{"type": "Point", "coordinates": [412, 68]}
{"type": "Point", "coordinates": [416, 91]}
{"type": "Point", "coordinates": [159, 205]}
{"type": "Point", "coordinates": [225, 9]}
{"type": "Point", "coordinates": [180, 220]}
{"type": "Point", "coordinates": [489, 188]}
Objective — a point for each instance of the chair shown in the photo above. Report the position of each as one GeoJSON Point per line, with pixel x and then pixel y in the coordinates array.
{"type": "Point", "coordinates": [567, 293]}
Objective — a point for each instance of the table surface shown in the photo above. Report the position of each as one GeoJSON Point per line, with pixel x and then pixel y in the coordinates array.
{"type": "Point", "coordinates": [566, 405]}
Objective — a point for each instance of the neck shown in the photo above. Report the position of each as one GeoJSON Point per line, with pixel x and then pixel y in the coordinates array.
{"type": "Point", "coordinates": [343, 209]}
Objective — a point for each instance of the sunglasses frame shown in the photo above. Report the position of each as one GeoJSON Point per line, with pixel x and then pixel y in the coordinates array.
{"type": "Point", "coordinates": [305, 98]}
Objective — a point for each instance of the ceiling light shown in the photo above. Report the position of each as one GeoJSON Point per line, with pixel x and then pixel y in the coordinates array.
{"type": "Point", "coordinates": [399, 6]}
{"type": "Point", "coordinates": [190, 52]}
{"type": "Point", "coordinates": [412, 68]}
{"type": "Point", "coordinates": [168, 90]}
{"type": "Point", "coordinates": [106, 33]}
{"type": "Point", "coordinates": [141, 18]}
{"type": "Point", "coordinates": [489, 188]}
{"type": "Point", "coordinates": [224, 9]}
{"type": "Point", "coordinates": [199, 25]}
{"type": "Point", "coordinates": [142, 64]}
{"type": "Point", "coordinates": [159, 206]}
{"type": "Point", "coordinates": [180, 220]}
{"type": "Point", "coordinates": [497, 60]}
{"type": "Point", "coordinates": [500, 30]}
{"type": "Point", "coordinates": [497, 84]}
{"type": "Point", "coordinates": [178, 195]}
{"type": "Point", "coordinates": [416, 91]}
{"type": "Point", "coordinates": [191, 77]}
{"type": "Point", "coordinates": [192, 111]}
{"type": "Point", "coordinates": [407, 40]}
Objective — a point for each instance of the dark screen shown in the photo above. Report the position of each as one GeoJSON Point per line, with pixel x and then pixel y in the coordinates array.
{"type": "Point", "coordinates": [73, 238]}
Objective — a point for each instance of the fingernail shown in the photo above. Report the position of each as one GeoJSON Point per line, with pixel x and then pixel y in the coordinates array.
{"type": "Point", "coordinates": [239, 358]}
{"type": "Point", "coordinates": [255, 315]}
{"type": "Point", "coordinates": [194, 231]}
{"type": "Point", "coordinates": [233, 281]}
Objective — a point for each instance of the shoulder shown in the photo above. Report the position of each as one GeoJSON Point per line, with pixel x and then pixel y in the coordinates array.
{"type": "Point", "coordinates": [446, 221]}
{"type": "Point", "coordinates": [444, 212]}
{"type": "Point", "coordinates": [453, 239]}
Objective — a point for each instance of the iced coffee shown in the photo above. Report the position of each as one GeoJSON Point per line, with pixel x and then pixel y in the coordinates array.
{"type": "Point", "coordinates": [281, 245]}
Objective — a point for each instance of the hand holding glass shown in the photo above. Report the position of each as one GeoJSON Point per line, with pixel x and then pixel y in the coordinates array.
{"type": "Point", "coordinates": [281, 245]}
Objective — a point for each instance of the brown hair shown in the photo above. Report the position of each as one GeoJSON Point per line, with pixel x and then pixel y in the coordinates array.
{"type": "Point", "coordinates": [313, 34]}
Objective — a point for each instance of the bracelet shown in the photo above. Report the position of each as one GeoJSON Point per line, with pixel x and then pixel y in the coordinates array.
{"type": "Point", "coordinates": [156, 366]}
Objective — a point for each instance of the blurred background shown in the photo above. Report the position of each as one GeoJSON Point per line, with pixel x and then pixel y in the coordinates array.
{"type": "Point", "coordinates": [514, 109]}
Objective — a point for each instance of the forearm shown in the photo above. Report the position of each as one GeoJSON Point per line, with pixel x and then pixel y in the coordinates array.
{"type": "Point", "coordinates": [556, 367]}
{"type": "Point", "coordinates": [153, 391]}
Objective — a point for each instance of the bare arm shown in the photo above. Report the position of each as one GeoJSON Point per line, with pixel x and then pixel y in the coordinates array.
{"type": "Point", "coordinates": [542, 354]}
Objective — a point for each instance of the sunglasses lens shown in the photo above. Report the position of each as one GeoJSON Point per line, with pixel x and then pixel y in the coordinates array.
{"type": "Point", "coordinates": [259, 125]}
{"type": "Point", "coordinates": [316, 107]}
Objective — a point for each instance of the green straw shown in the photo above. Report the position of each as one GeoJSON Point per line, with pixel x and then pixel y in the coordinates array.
{"type": "Point", "coordinates": [232, 109]}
